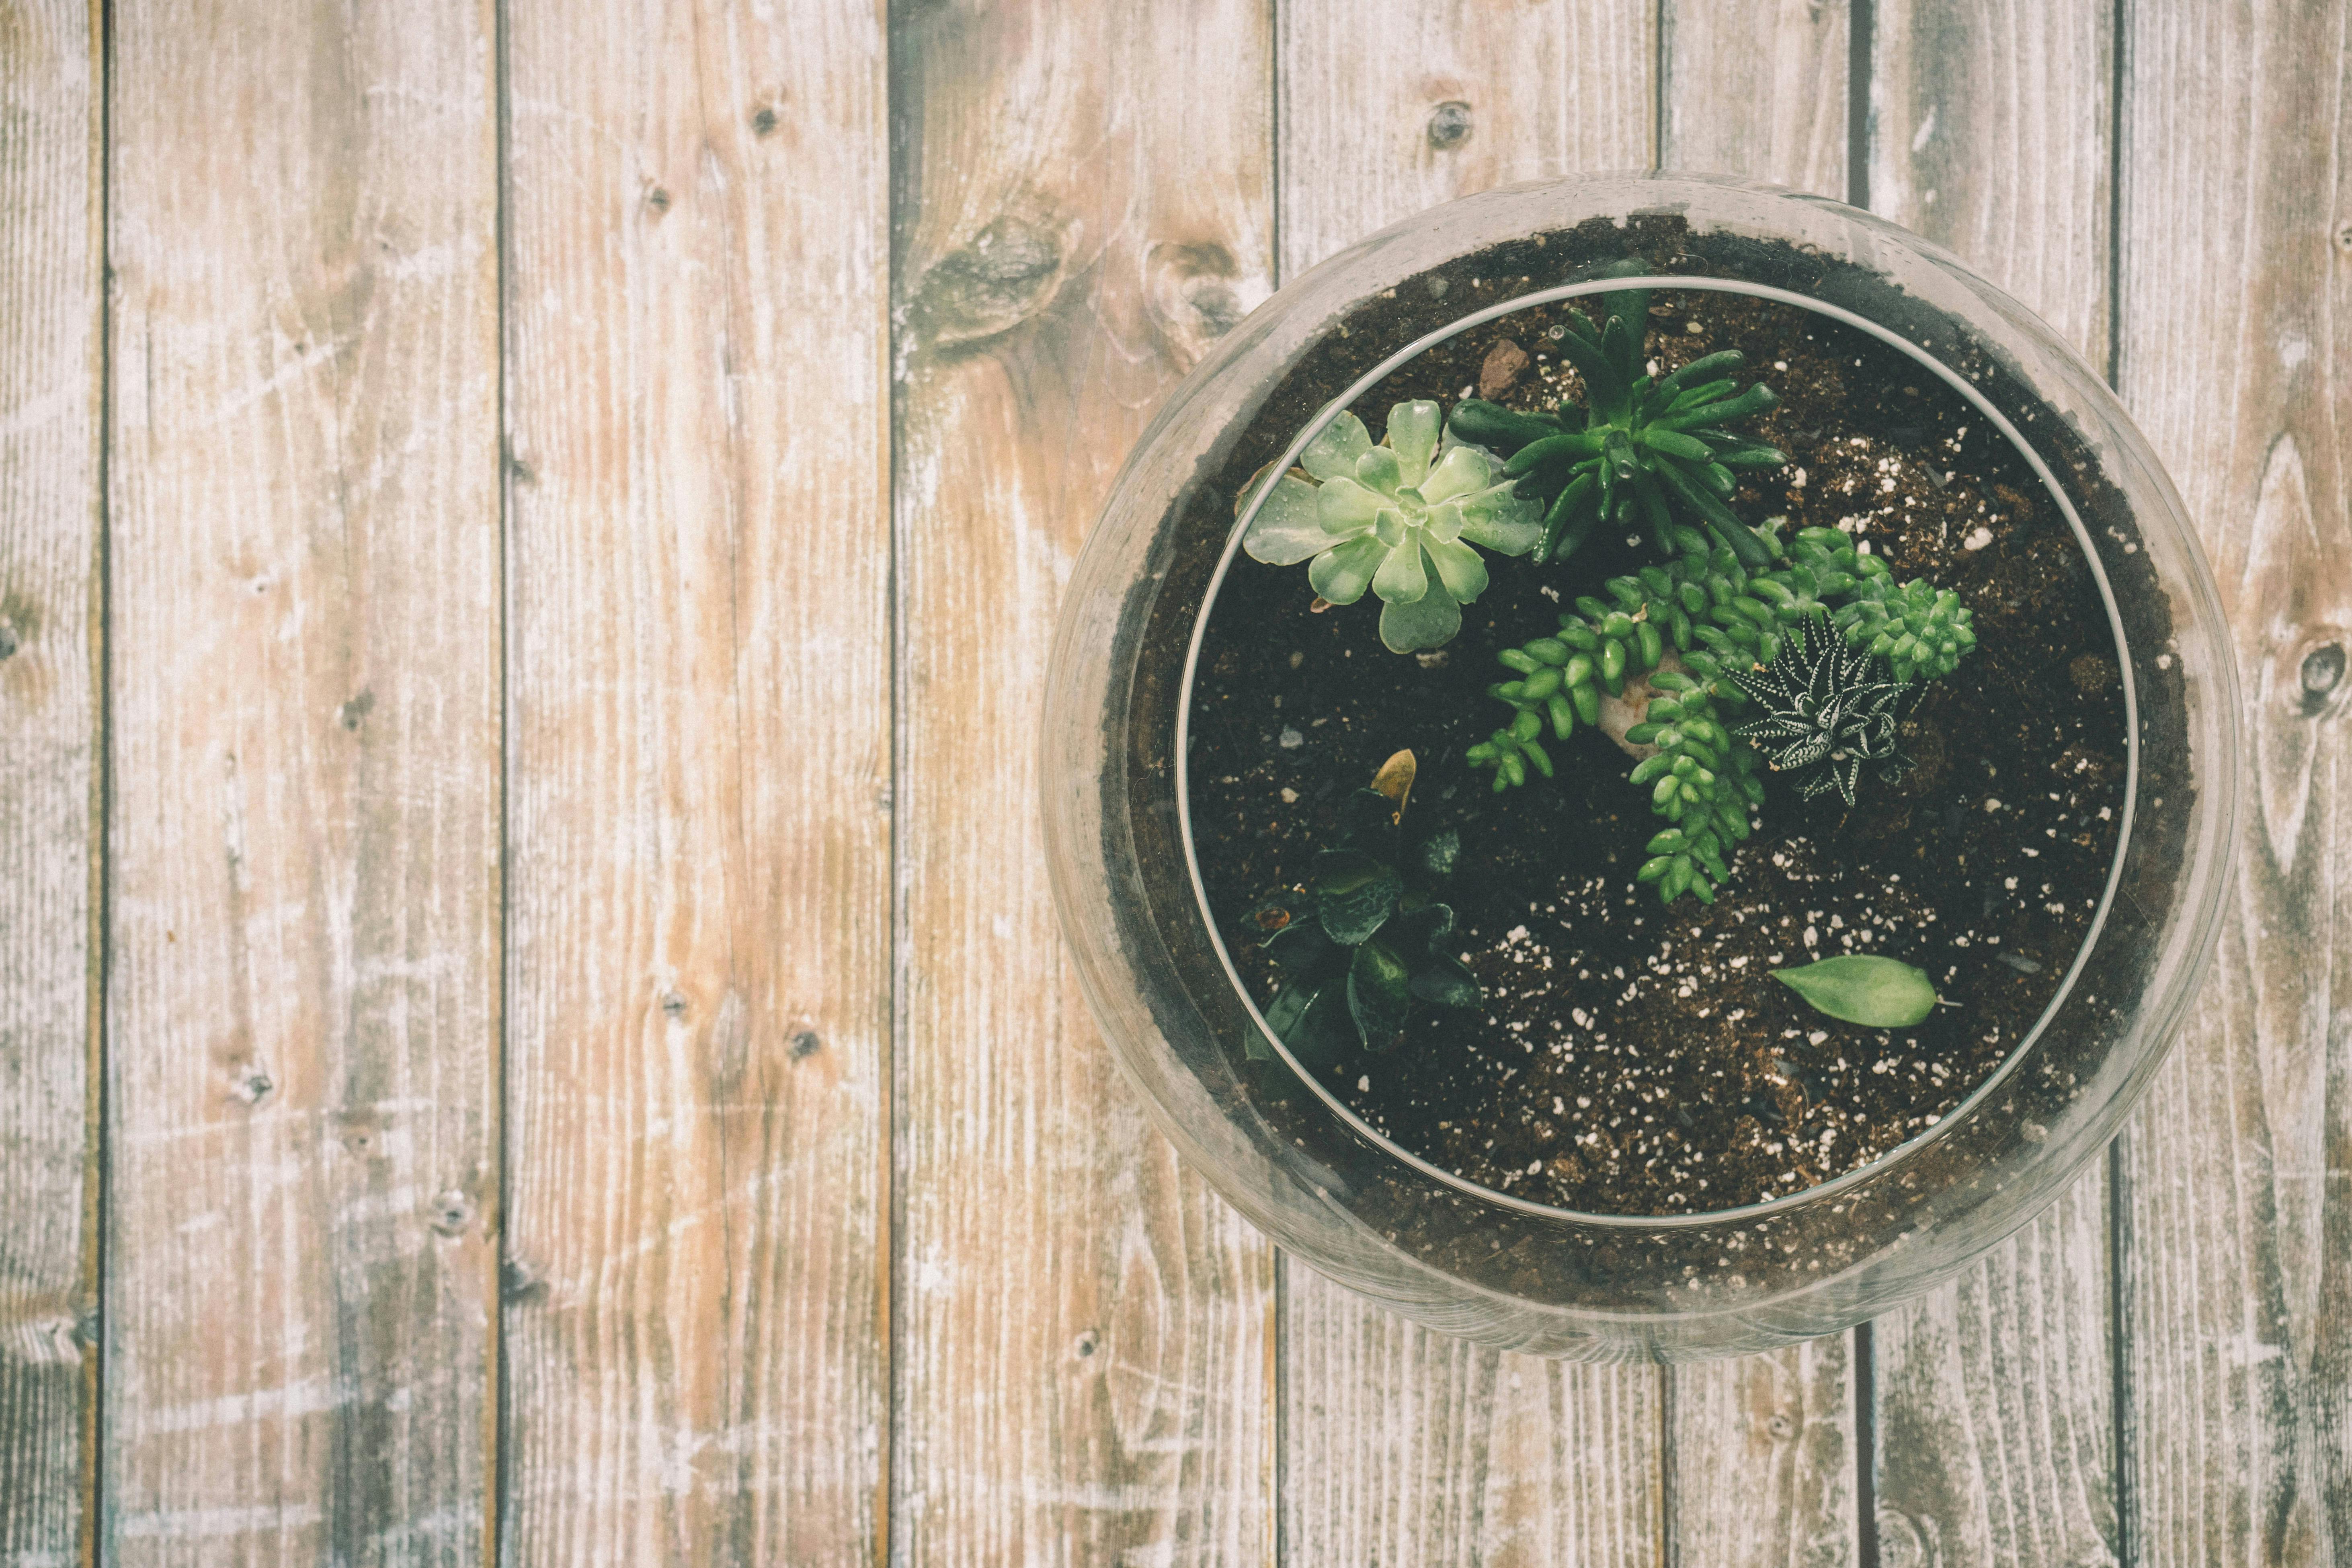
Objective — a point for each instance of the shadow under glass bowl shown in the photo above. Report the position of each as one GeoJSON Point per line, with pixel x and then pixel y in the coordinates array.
{"type": "Point", "coordinates": [1304, 1168]}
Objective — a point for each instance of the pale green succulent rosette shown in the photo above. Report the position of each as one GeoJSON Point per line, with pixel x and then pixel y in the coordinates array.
{"type": "Point", "coordinates": [1399, 519]}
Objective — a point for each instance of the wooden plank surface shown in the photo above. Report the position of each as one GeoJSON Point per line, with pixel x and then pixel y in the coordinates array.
{"type": "Point", "coordinates": [1757, 89]}
{"type": "Point", "coordinates": [1400, 1446]}
{"type": "Point", "coordinates": [1083, 1331]}
{"type": "Point", "coordinates": [49, 765]}
{"type": "Point", "coordinates": [2235, 351]}
{"type": "Point", "coordinates": [302, 1024]}
{"type": "Point", "coordinates": [1991, 134]}
{"type": "Point", "coordinates": [1761, 1451]}
{"type": "Point", "coordinates": [697, 571]}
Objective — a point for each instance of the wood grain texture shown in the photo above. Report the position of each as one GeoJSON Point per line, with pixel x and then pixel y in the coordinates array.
{"type": "Point", "coordinates": [1387, 112]}
{"type": "Point", "coordinates": [49, 738]}
{"type": "Point", "coordinates": [1756, 89]}
{"type": "Point", "coordinates": [2236, 358]}
{"type": "Point", "coordinates": [1991, 134]}
{"type": "Point", "coordinates": [1404, 1446]}
{"type": "Point", "coordinates": [1084, 1363]}
{"type": "Point", "coordinates": [302, 1020]}
{"type": "Point", "coordinates": [1761, 1460]}
{"type": "Point", "coordinates": [1400, 1446]}
{"type": "Point", "coordinates": [1995, 1413]}
{"type": "Point", "coordinates": [699, 836]}
{"type": "Point", "coordinates": [1761, 1450]}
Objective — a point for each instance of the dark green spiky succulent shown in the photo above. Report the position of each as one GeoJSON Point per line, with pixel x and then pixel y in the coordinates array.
{"type": "Point", "coordinates": [1365, 939]}
{"type": "Point", "coordinates": [1640, 450]}
{"type": "Point", "coordinates": [1829, 712]}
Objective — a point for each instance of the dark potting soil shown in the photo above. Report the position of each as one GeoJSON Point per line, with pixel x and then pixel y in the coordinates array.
{"type": "Point", "coordinates": [1631, 1058]}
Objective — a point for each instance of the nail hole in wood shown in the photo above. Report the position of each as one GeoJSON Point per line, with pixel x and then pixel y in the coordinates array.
{"type": "Point", "coordinates": [451, 1213]}
{"type": "Point", "coordinates": [763, 124]}
{"type": "Point", "coordinates": [1449, 125]}
{"type": "Point", "coordinates": [805, 1044]}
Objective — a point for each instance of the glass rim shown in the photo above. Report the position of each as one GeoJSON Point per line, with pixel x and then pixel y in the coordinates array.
{"type": "Point", "coordinates": [1909, 1148]}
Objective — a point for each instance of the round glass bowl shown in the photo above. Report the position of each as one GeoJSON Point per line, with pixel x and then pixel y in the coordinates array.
{"type": "Point", "coordinates": [1465, 1259]}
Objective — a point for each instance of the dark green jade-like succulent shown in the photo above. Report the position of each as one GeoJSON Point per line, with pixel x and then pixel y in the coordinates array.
{"type": "Point", "coordinates": [1639, 448]}
{"type": "Point", "coordinates": [1365, 938]}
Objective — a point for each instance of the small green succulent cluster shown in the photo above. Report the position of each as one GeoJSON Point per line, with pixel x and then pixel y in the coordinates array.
{"type": "Point", "coordinates": [1919, 629]}
{"type": "Point", "coordinates": [1722, 621]}
{"type": "Point", "coordinates": [1399, 519]}
{"type": "Point", "coordinates": [1639, 447]}
{"type": "Point", "coordinates": [1365, 939]}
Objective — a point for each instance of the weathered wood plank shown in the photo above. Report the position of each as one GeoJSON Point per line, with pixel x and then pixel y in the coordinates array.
{"type": "Point", "coordinates": [49, 371]}
{"type": "Point", "coordinates": [1397, 1445]}
{"type": "Point", "coordinates": [1387, 112]}
{"type": "Point", "coordinates": [1401, 1445]}
{"type": "Point", "coordinates": [1762, 1464]}
{"type": "Point", "coordinates": [2236, 357]}
{"type": "Point", "coordinates": [1990, 134]}
{"type": "Point", "coordinates": [698, 1077]}
{"type": "Point", "coordinates": [302, 1019]}
{"type": "Point", "coordinates": [1083, 1340]}
{"type": "Point", "coordinates": [1757, 89]}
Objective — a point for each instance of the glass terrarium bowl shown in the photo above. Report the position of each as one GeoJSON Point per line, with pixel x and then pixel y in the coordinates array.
{"type": "Point", "coordinates": [1478, 1263]}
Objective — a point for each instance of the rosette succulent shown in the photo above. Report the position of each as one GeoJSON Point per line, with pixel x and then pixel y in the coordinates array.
{"type": "Point", "coordinates": [1828, 709]}
{"type": "Point", "coordinates": [1399, 518]}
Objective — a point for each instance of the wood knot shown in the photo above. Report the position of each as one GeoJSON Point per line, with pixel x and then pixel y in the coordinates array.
{"type": "Point", "coordinates": [764, 122]}
{"type": "Point", "coordinates": [519, 1284]}
{"type": "Point", "coordinates": [1087, 1344]}
{"type": "Point", "coordinates": [1193, 294]}
{"type": "Point", "coordinates": [1449, 125]}
{"type": "Point", "coordinates": [2323, 670]}
{"type": "Point", "coordinates": [351, 714]}
{"type": "Point", "coordinates": [451, 1213]}
{"type": "Point", "coordinates": [1008, 274]}
{"type": "Point", "coordinates": [805, 1044]}
{"type": "Point", "coordinates": [658, 201]}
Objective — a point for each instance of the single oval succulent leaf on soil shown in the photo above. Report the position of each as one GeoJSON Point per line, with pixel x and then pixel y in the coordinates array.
{"type": "Point", "coordinates": [1864, 988]}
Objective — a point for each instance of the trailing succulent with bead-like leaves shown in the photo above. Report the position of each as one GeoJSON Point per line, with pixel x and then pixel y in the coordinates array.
{"type": "Point", "coordinates": [1364, 939]}
{"type": "Point", "coordinates": [1720, 621]}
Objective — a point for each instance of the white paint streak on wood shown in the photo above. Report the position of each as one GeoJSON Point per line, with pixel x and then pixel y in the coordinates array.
{"type": "Point", "coordinates": [1995, 1413]}
{"type": "Point", "coordinates": [306, 781]}
{"type": "Point", "coordinates": [49, 312]}
{"type": "Point", "coordinates": [1756, 89]}
{"type": "Point", "coordinates": [2236, 358]}
{"type": "Point", "coordinates": [1083, 1349]}
{"type": "Point", "coordinates": [1399, 1444]}
{"type": "Point", "coordinates": [700, 827]}
{"type": "Point", "coordinates": [1761, 1453]}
